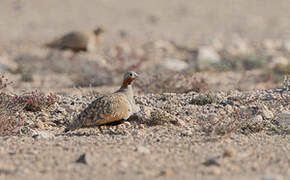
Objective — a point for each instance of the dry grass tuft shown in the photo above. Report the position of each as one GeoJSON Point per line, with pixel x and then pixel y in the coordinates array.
{"type": "Point", "coordinates": [12, 107]}
{"type": "Point", "coordinates": [36, 101]}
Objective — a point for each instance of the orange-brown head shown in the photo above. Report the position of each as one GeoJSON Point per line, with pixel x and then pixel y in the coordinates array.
{"type": "Point", "coordinates": [129, 77]}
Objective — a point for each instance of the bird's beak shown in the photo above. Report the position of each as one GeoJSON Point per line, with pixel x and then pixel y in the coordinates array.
{"type": "Point", "coordinates": [137, 75]}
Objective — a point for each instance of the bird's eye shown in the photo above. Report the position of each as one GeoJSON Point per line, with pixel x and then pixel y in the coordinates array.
{"type": "Point", "coordinates": [131, 74]}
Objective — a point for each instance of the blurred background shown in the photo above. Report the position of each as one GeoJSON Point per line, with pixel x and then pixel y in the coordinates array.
{"type": "Point", "coordinates": [201, 44]}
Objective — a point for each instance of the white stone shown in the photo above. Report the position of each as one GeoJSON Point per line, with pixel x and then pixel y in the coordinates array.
{"type": "Point", "coordinates": [207, 56]}
{"type": "Point", "coordinates": [44, 135]}
{"type": "Point", "coordinates": [266, 113]}
{"type": "Point", "coordinates": [257, 119]}
{"type": "Point", "coordinates": [180, 122]}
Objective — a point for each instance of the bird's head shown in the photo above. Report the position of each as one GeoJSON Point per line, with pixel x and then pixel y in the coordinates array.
{"type": "Point", "coordinates": [129, 77]}
{"type": "Point", "coordinates": [98, 31]}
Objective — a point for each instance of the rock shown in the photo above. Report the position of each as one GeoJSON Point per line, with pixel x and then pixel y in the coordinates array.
{"type": "Point", "coordinates": [206, 57]}
{"type": "Point", "coordinates": [27, 131]}
{"type": "Point", "coordinates": [43, 135]}
{"type": "Point", "coordinates": [82, 159]}
{"type": "Point", "coordinates": [142, 149]}
{"type": "Point", "coordinates": [266, 113]}
{"type": "Point", "coordinates": [174, 64]}
{"type": "Point", "coordinates": [257, 119]}
{"type": "Point", "coordinates": [211, 162]}
{"type": "Point", "coordinates": [284, 118]}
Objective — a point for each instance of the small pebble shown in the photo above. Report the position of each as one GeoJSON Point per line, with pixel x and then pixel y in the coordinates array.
{"type": "Point", "coordinates": [43, 135]}
{"type": "Point", "coordinates": [211, 162]}
{"type": "Point", "coordinates": [82, 159]}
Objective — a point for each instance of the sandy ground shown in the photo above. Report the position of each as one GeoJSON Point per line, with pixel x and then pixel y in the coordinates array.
{"type": "Point", "coordinates": [159, 152]}
{"type": "Point", "coordinates": [167, 156]}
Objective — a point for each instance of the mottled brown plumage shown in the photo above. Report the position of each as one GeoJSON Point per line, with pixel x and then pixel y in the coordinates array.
{"type": "Point", "coordinates": [108, 109]}
{"type": "Point", "coordinates": [77, 41]}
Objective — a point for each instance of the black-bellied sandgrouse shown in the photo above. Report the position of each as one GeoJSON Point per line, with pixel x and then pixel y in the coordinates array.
{"type": "Point", "coordinates": [111, 109]}
{"type": "Point", "coordinates": [77, 41]}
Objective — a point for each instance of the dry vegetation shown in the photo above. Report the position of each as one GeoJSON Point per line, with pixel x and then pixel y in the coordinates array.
{"type": "Point", "coordinates": [13, 107]}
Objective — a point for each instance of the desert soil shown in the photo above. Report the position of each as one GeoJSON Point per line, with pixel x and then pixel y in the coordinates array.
{"type": "Point", "coordinates": [177, 149]}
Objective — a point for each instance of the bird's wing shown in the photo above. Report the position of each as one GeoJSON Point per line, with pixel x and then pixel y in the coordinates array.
{"type": "Point", "coordinates": [104, 110]}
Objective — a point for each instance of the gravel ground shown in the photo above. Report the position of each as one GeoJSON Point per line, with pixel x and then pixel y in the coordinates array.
{"type": "Point", "coordinates": [172, 136]}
